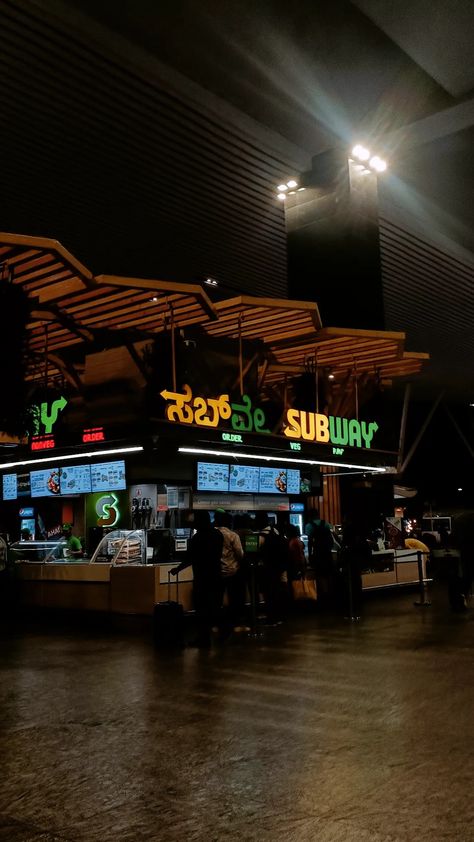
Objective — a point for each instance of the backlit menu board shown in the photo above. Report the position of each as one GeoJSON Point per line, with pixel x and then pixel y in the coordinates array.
{"type": "Point", "coordinates": [75, 479]}
{"type": "Point", "coordinates": [23, 484]}
{"type": "Point", "coordinates": [108, 476]}
{"type": "Point", "coordinates": [293, 481]}
{"type": "Point", "coordinates": [272, 481]}
{"type": "Point", "coordinates": [45, 483]}
{"type": "Point", "coordinates": [244, 478]}
{"type": "Point", "coordinates": [10, 490]}
{"type": "Point", "coordinates": [212, 477]}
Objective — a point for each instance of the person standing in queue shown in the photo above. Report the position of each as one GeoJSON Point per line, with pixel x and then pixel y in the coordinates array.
{"type": "Point", "coordinates": [320, 549]}
{"type": "Point", "coordinates": [356, 554]}
{"type": "Point", "coordinates": [231, 578]}
{"type": "Point", "coordinates": [73, 546]}
{"type": "Point", "coordinates": [273, 552]}
{"type": "Point", "coordinates": [204, 555]}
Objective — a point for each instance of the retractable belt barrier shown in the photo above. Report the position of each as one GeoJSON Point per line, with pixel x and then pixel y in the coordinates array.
{"type": "Point", "coordinates": [424, 601]}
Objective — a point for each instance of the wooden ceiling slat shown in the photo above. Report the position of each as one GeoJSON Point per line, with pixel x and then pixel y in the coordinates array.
{"type": "Point", "coordinates": [41, 260]}
{"type": "Point", "coordinates": [50, 293]}
{"type": "Point", "coordinates": [22, 256]}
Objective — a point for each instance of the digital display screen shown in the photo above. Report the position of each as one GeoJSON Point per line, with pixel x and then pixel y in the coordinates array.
{"type": "Point", "coordinates": [23, 485]}
{"type": "Point", "coordinates": [293, 481]}
{"type": "Point", "coordinates": [108, 476]}
{"type": "Point", "coordinates": [76, 479]}
{"type": "Point", "coordinates": [45, 483]}
{"type": "Point", "coordinates": [27, 512]}
{"type": "Point", "coordinates": [244, 478]}
{"type": "Point", "coordinates": [10, 487]}
{"type": "Point", "coordinates": [273, 481]}
{"type": "Point", "coordinates": [212, 476]}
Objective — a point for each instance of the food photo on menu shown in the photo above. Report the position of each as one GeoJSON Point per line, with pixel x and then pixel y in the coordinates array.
{"type": "Point", "coordinates": [272, 481]}
{"type": "Point", "coordinates": [45, 483]}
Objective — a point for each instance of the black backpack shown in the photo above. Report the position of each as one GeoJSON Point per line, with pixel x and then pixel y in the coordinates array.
{"type": "Point", "coordinates": [274, 551]}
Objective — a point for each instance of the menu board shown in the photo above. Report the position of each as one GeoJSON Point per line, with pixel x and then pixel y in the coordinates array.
{"type": "Point", "coordinates": [292, 481]}
{"type": "Point", "coordinates": [108, 476]}
{"type": "Point", "coordinates": [10, 487]}
{"type": "Point", "coordinates": [45, 483]}
{"type": "Point", "coordinates": [212, 477]}
{"type": "Point", "coordinates": [75, 479]}
{"type": "Point", "coordinates": [23, 484]}
{"type": "Point", "coordinates": [272, 481]}
{"type": "Point", "coordinates": [244, 478]}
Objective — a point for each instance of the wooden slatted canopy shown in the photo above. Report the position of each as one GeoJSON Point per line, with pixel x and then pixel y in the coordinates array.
{"type": "Point", "coordinates": [68, 304]}
{"type": "Point", "coordinates": [341, 350]}
{"type": "Point", "coordinates": [70, 307]}
{"type": "Point", "coordinates": [268, 319]}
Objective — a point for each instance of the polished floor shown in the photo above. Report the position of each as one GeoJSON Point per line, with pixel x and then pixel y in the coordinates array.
{"type": "Point", "coordinates": [320, 731]}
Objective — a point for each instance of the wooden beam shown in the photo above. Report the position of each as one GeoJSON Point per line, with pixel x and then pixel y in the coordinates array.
{"type": "Point", "coordinates": [161, 288]}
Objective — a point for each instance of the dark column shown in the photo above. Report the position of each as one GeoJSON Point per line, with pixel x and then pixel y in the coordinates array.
{"type": "Point", "coordinates": [333, 242]}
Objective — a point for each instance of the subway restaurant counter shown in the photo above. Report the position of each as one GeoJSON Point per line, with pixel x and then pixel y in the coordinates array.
{"type": "Point", "coordinates": [122, 589]}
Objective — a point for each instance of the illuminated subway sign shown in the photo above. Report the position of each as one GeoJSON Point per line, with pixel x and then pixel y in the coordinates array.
{"type": "Point", "coordinates": [183, 408]}
{"type": "Point", "coordinates": [209, 412]}
{"type": "Point", "coordinates": [329, 429]}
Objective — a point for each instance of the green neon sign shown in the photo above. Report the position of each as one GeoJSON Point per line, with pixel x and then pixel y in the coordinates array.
{"type": "Point", "coordinates": [45, 415]}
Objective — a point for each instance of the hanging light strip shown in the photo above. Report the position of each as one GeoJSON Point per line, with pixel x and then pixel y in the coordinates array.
{"type": "Point", "coordinates": [260, 458]}
{"type": "Point", "coordinates": [56, 458]}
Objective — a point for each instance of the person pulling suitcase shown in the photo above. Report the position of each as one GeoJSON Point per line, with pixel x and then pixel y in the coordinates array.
{"type": "Point", "coordinates": [204, 555]}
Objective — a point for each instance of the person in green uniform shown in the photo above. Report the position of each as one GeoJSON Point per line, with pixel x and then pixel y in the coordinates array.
{"type": "Point", "coordinates": [73, 547]}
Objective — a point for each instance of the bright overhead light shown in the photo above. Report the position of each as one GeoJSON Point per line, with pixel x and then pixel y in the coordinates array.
{"type": "Point", "coordinates": [281, 196]}
{"type": "Point", "coordinates": [365, 172]}
{"type": "Point", "coordinates": [292, 192]}
{"type": "Point", "coordinates": [331, 376]}
{"type": "Point", "coordinates": [361, 152]}
{"type": "Point", "coordinates": [300, 189]}
{"type": "Point", "coordinates": [155, 298]}
{"type": "Point", "coordinates": [282, 188]}
{"type": "Point", "coordinates": [55, 458]}
{"type": "Point", "coordinates": [292, 183]}
{"type": "Point", "coordinates": [233, 455]}
{"type": "Point", "coordinates": [378, 164]}
{"type": "Point", "coordinates": [211, 282]}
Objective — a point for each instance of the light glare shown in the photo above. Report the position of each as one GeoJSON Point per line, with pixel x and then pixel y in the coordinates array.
{"type": "Point", "coordinates": [361, 152]}
{"type": "Point", "coordinates": [282, 188]}
{"type": "Point", "coordinates": [292, 183]}
{"type": "Point", "coordinates": [378, 164]}
{"type": "Point", "coordinates": [282, 196]}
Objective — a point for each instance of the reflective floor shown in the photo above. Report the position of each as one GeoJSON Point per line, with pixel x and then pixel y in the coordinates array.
{"type": "Point", "coordinates": [321, 731]}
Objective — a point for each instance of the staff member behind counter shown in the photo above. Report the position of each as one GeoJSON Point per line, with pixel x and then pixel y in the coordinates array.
{"type": "Point", "coordinates": [73, 546]}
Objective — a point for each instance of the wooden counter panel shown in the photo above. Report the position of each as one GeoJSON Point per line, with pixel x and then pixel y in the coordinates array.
{"type": "Point", "coordinates": [54, 572]}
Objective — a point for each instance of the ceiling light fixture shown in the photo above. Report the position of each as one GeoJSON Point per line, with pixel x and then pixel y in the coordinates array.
{"type": "Point", "coordinates": [292, 183]}
{"type": "Point", "coordinates": [282, 197]}
{"type": "Point", "coordinates": [378, 164]}
{"type": "Point", "coordinates": [282, 188]}
{"type": "Point", "coordinates": [361, 152]}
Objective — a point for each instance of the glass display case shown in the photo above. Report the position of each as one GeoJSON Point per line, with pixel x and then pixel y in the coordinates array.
{"type": "Point", "coordinates": [121, 546]}
{"type": "Point", "coordinates": [39, 551]}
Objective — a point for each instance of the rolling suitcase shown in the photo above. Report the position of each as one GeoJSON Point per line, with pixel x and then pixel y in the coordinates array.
{"type": "Point", "coordinates": [168, 621]}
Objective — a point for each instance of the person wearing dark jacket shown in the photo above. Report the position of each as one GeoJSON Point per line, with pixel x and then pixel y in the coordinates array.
{"type": "Point", "coordinates": [204, 555]}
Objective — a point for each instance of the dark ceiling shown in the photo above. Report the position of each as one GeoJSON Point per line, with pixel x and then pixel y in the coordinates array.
{"type": "Point", "coordinates": [148, 137]}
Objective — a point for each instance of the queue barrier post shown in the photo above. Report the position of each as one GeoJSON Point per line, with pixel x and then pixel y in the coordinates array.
{"type": "Point", "coordinates": [254, 630]}
{"type": "Point", "coordinates": [424, 601]}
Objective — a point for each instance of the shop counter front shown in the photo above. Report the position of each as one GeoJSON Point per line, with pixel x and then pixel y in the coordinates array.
{"type": "Point", "coordinates": [82, 586]}
{"type": "Point", "coordinates": [389, 568]}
